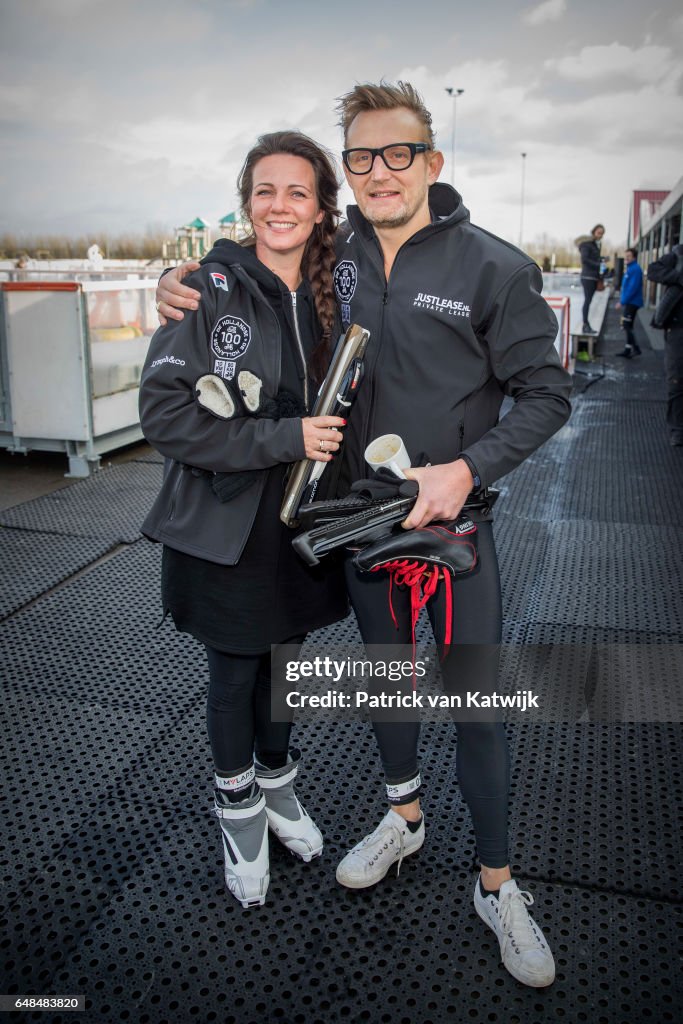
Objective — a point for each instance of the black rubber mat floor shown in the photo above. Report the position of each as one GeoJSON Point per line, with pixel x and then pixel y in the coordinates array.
{"type": "Point", "coordinates": [110, 504]}
{"type": "Point", "coordinates": [110, 865]}
{"type": "Point", "coordinates": [139, 883]}
{"type": "Point", "coordinates": [33, 563]}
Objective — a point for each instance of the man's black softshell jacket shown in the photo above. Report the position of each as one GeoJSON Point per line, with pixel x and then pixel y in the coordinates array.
{"type": "Point", "coordinates": [460, 324]}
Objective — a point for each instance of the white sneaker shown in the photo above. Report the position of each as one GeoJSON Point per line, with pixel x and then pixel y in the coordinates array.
{"type": "Point", "coordinates": [287, 818]}
{"type": "Point", "coordinates": [523, 948]}
{"type": "Point", "coordinates": [244, 829]}
{"type": "Point", "coordinates": [369, 861]}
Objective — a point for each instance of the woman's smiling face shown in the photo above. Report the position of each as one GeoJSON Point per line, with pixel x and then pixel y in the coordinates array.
{"type": "Point", "coordinates": [284, 204]}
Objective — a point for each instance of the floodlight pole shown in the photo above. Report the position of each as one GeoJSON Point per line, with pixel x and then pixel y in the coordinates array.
{"type": "Point", "coordinates": [453, 93]}
{"type": "Point", "coordinates": [521, 201]}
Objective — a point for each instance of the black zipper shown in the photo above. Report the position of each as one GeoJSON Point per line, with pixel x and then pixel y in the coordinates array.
{"type": "Point", "coordinates": [299, 344]}
{"type": "Point", "coordinates": [371, 374]}
{"type": "Point", "coordinates": [380, 336]}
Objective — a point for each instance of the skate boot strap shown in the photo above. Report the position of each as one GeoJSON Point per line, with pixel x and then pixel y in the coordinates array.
{"type": "Point", "coordinates": [236, 812]}
{"type": "Point", "coordinates": [278, 778]}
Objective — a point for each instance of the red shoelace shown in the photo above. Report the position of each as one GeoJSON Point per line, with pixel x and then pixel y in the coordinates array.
{"type": "Point", "coordinates": [422, 582]}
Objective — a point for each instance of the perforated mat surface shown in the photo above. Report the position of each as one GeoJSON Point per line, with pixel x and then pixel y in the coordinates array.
{"type": "Point", "coordinates": [34, 562]}
{"type": "Point", "coordinates": [109, 504]}
{"type": "Point", "coordinates": [110, 862]}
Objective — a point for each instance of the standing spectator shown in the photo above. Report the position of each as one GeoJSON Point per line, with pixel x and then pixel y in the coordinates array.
{"type": "Point", "coordinates": [589, 247]}
{"type": "Point", "coordinates": [630, 300]}
{"type": "Point", "coordinates": [23, 264]}
{"type": "Point", "coordinates": [95, 257]}
{"type": "Point", "coordinates": [669, 271]}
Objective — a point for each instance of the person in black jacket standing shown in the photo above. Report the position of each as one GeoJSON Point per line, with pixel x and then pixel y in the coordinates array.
{"type": "Point", "coordinates": [669, 271]}
{"type": "Point", "coordinates": [456, 322]}
{"type": "Point", "coordinates": [224, 396]}
{"type": "Point", "coordinates": [589, 248]}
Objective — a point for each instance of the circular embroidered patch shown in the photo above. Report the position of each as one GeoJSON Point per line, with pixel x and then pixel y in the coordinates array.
{"type": "Point", "coordinates": [230, 337]}
{"type": "Point", "coordinates": [345, 280]}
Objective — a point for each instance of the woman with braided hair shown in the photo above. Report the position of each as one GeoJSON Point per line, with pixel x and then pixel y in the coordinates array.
{"type": "Point", "coordinates": [225, 396]}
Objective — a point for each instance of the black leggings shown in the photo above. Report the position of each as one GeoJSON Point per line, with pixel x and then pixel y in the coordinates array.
{"type": "Point", "coordinates": [589, 289]}
{"type": "Point", "coordinates": [628, 319]}
{"type": "Point", "coordinates": [238, 715]}
{"type": "Point", "coordinates": [482, 758]}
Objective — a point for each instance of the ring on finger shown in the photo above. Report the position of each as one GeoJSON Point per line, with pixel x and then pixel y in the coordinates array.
{"type": "Point", "coordinates": [321, 445]}
{"type": "Point", "coordinates": [156, 305]}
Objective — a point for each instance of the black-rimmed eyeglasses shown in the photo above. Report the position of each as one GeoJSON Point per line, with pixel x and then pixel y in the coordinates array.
{"type": "Point", "coordinates": [398, 156]}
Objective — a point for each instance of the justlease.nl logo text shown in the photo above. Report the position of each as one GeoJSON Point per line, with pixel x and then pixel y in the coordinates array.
{"type": "Point", "coordinates": [452, 307]}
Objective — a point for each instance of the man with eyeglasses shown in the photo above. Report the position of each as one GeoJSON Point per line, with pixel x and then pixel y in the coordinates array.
{"type": "Point", "coordinates": [456, 322]}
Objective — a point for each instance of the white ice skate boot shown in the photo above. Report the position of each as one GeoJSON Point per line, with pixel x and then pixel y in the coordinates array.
{"type": "Point", "coordinates": [244, 829]}
{"type": "Point", "coordinates": [287, 819]}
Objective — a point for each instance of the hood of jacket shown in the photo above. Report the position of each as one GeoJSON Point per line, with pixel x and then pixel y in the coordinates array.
{"type": "Point", "coordinates": [584, 238]}
{"type": "Point", "coordinates": [230, 254]}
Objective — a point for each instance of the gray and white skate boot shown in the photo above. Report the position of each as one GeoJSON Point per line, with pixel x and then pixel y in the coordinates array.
{"type": "Point", "coordinates": [287, 819]}
{"type": "Point", "coordinates": [244, 830]}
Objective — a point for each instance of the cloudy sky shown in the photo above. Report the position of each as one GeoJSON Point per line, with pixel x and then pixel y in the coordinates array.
{"type": "Point", "coordinates": [119, 115]}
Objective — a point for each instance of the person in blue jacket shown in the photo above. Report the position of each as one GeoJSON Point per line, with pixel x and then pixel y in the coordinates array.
{"type": "Point", "coordinates": [630, 300]}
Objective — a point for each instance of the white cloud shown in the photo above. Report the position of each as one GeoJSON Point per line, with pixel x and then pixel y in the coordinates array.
{"type": "Point", "coordinates": [70, 7]}
{"type": "Point", "coordinates": [17, 102]}
{"type": "Point", "coordinates": [549, 10]}
{"type": "Point", "coordinates": [194, 144]}
{"type": "Point", "coordinates": [168, 140]}
{"type": "Point", "coordinates": [187, 145]}
{"type": "Point", "coordinates": [648, 63]}
{"type": "Point", "coordinates": [584, 156]}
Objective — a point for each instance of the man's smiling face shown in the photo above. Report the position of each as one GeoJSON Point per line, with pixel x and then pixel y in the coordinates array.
{"type": "Point", "coordinates": [392, 198]}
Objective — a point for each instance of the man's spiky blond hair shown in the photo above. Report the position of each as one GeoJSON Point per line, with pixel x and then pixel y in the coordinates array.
{"type": "Point", "coordinates": [385, 96]}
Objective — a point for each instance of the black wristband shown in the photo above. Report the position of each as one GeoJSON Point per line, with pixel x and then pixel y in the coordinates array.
{"type": "Point", "coordinates": [476, 479]}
